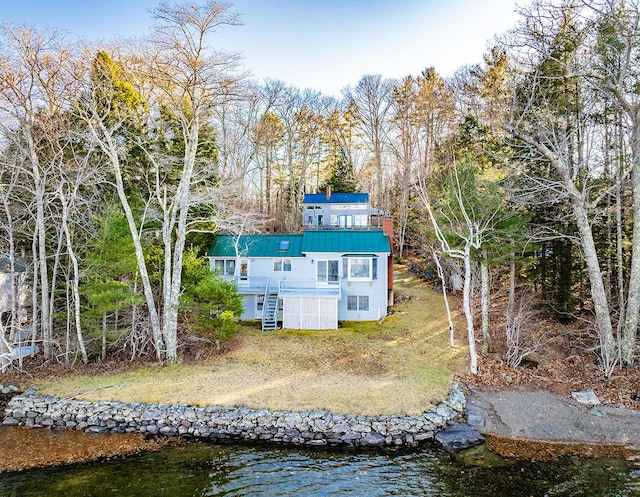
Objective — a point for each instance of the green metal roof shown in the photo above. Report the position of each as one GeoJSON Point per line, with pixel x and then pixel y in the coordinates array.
{"type": "Point", "coordinates": [257, 246]}
{"type": "Point", "coordinates": [352, 242]}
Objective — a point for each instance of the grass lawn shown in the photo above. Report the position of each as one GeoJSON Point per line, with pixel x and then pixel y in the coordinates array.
{"type": "Point", "coordinates": [402, 365]}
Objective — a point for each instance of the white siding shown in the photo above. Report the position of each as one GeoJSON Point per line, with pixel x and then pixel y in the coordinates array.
{"type": "Point", "coordinates": [304, 313]}
{"type": "Point", "coordinates": [249, 303]}
{"type": "Point", "coordinates": [376, 290]}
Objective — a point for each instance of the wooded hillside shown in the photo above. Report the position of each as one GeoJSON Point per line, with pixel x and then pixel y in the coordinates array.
{"type": "Point", "coordinates": [520, 174]}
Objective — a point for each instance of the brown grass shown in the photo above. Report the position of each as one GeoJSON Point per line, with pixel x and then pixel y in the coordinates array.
{"type": "Point", "coordinates": [402, 365]}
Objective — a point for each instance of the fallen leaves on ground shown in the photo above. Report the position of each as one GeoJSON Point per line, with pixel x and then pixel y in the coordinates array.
{"type": "Point", "coordinates": [561, 376]}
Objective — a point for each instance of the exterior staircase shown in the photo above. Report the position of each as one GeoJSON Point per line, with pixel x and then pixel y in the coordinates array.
{"type": "Point", "coordinates": [270, 309]}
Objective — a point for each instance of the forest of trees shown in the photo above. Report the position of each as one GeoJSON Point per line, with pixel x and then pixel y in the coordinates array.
{"type": "Point", "coordinates": [118, 163]}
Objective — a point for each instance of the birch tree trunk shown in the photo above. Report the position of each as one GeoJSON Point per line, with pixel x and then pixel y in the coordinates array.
{"type": "Point", "coordinates": [5, 361]}
{"type": "Point", "coordinates": [105, 139]}
{"type": "Point", "coordinates": [75, 280]}
{"type": "Point", "coordinates": [172, 293]}
{"type": "Point", "coordinates": [41, 244]}
{"type": "Point", "coordinates": [465, 255]}
{"type": "Point", "coordinates": [484, 300]}
{"type": "Point", "coordinates": [598, 292]}
{"type": "Point", "coordinates": [468, 311]}
{"type": "Point", "coordinates": [511, 302]}
{"type": "Point", "coordinates": [443, 281]}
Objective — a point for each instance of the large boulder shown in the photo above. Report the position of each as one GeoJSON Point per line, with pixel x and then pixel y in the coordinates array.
{"type": "Point", "coordinates": [459, 436]}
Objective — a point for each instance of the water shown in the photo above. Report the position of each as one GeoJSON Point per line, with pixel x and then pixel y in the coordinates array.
{"type": "Point", "coordinates": [205, 469]}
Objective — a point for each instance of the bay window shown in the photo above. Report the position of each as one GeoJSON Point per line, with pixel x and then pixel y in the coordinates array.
{"type": "Point", "coordinates": [360, 268]}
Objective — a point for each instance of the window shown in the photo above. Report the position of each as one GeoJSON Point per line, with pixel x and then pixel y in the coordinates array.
{"type": "Point", "coordinates": [284, 245]}
{"type": "Point", "coordinates": [363, 302]}
{"type": "Point", "coordinates": [357, 302]}
{"type": "Point", "coordinates": [282, 264]}
{"type": "Point", "coordinates": [361, 220]}
{"type": "Point", "coordinates": [219, 265]}
{"type": "Point", "coordinates": [225, 267]}
{"type": "Point", "coordinates": [346, 221]}
{"type": "Point", "coordinates": [327, 271]}
{"type": "Point", "coordinates": [230, 267]}
{"type": "Point", "coordinates": [360, 268]}
{"type": "Point", "coordinates": [244, 269]}
{"type": "Point", "coordinates": [260, 303]}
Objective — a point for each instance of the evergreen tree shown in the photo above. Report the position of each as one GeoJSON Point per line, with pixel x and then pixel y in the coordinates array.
{"type": "Point", "coordinates": [212, 305]}
{"type": "Point", "coordinates": [342, 179]}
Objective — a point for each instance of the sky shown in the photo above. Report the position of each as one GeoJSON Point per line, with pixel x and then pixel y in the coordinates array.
{"type": "Point", "coordinates": [323, 45]}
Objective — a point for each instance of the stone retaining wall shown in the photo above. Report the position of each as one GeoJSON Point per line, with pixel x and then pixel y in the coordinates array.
{"type": "Point", "coordinates": [312, 428]}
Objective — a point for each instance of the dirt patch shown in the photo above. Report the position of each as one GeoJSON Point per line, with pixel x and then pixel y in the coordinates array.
{"type": "Point", "coordinates": [25, 448]}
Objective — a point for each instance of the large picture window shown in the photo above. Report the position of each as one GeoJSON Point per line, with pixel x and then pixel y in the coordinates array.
{"type": "Point", "coordinates": [359, 269]}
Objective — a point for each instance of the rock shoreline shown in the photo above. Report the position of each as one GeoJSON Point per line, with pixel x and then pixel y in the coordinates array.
{"type": "Point", "coordinates": [308, 428]}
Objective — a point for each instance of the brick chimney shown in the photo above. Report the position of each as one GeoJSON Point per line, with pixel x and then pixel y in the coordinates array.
{"type": "Point", "coordinates": [328, 192]}
{"type": "Point", "coordinates": [387, 229]}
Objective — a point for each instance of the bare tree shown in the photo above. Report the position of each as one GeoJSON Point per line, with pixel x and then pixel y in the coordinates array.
{"type": "Point", "coordinates": [267, 136]}
{"type": "Point", "coordinates": [551, 122]}
{"type": "Point", "coordinates": [421, 118]}
{"type": "Point", "coordinates": [617, 62]}
{"type": "Point", "coordinates": [182, 77]}
{"type": "Point", "coordinates": [464, 219]}
{"type": "Point", "coordinates": [371, 96]}
{"type": "Point", "coordinates": [35, 90]}
{"type": "Point", "coordinates": [520, 340]}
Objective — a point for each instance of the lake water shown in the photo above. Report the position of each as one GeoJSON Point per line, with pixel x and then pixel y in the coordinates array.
{"type": "Point", "coordinates": [207, 469]}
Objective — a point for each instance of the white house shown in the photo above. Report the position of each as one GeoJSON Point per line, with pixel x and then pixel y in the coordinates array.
{"type": "Point", "coordinates": [339, 211]}
{"type": "Point", "coordinates": [12, 285]}
{"type": "Point", "coordinates": [310, 280]}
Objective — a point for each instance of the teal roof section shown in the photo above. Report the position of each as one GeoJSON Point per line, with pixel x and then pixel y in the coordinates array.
{"type": "Point", "coordinates": [257, 246]}
{"type": "Point", "coordinates": [352, 242]}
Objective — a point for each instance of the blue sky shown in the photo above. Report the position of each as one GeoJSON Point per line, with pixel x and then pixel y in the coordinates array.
{"type": "Point", "coordinates": [320, 44]}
